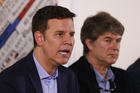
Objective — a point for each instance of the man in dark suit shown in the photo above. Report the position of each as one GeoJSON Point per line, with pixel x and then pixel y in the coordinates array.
{"type": "Point", "coordinates": [134, 76]}
{"type": "Point", "coordinates": [101, 36]}
{"type": "Point", "coordinates": [41, 70]}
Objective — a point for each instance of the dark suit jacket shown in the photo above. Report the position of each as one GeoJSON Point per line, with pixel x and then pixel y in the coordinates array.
{"type": "Point", "coordinates": [134, 76]}
{"type": "Point", "coordinates": [23, 77]}
{"type": "Point", "coordinates": [87, 78]}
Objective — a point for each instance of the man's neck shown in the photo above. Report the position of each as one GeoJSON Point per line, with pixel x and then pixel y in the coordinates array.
{"type": "Point", "coordinates": [47, 66]}
{"type": "Point", "coordinates": [101, 68]}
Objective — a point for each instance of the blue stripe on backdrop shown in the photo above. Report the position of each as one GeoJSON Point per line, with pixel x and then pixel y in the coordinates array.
{"type": "Point", "coordinates": [8, 32]}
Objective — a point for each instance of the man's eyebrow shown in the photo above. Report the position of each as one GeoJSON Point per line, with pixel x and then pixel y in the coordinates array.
{"type": "Point", "coordinates": [107, 37]}
{"type": "Point", "coordinates": [72, 32]}
{"type": "Point", "coordinates": [64, 31]}
{"type": "Point", "coordinates": [59, 31]}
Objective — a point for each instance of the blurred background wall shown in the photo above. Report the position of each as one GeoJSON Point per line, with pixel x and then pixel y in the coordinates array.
{"type": "Point", "coordinates": [16, 36]}
{"type": "Point", "coordinates": [126, 11]}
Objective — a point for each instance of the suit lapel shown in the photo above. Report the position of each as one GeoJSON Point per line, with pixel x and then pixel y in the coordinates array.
{"type": "Point", "coordinates": [33, 74]}
{"type": "Point", "coordinates": [61, 86]}
{"type": "Point", "coordinates": [88, 75]}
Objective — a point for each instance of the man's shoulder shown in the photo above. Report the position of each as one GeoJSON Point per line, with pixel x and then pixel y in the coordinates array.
{"type": "Point", "coordinates": [135, 66]}
{"type": "Point", "coordinates": [65, 72]}
{"type": "Point", "coordinates": [81, 67]}
{"type": "Point", "coordinates": [119, 71]}
{"type": "Point", "coordinates": [79, 63]}
{"type": "Point", "coordinates": [134, 70]}
{"type": "Point", "coordinates": [16, 69]}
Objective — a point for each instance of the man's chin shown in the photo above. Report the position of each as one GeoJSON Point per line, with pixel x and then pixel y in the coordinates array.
{"type": "Point", "coordinates": [63, 62]}
{"type": "Point", "coordinates": [112, 62]}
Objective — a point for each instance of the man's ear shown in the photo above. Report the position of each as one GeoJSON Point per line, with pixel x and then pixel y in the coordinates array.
{"type": "Point", "coordinates": [39, 38]}
{"type": "Point", "coordinates": [89, 43]}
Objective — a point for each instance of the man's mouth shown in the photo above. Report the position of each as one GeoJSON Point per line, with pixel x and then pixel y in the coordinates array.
{"type": "Point", "coordinates": [64, 52]}
{"type": "Point", "coordinates": [113, 55]}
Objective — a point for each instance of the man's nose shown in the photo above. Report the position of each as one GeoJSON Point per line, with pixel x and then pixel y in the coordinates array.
{"type": "Point", "coordinates": [68, 40]}
{"type": "Point", "coordinates": [116, 45]}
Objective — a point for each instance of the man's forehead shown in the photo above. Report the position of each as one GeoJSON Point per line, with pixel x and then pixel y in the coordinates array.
{"type": "Point", "coordinates": [111, 35]}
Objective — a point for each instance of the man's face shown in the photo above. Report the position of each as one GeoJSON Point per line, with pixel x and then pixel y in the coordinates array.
{"type": "Point", "coordinates": [106, 48]}
{"type": "Point", "coordinates": [58, 41]}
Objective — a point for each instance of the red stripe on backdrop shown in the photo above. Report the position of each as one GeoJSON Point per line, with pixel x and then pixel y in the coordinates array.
{"type": "Point", "coordinates": [26, 8]}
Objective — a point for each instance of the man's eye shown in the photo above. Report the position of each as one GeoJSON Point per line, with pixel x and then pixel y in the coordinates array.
{"type": "Point", "coordinates": [59, 34]}
{"type": "Point", "coordinates": [118, 40]}
{"type": "Point", "coordinates": [107, 40]}
{"type": "Point", "coordinates": [71, 34]}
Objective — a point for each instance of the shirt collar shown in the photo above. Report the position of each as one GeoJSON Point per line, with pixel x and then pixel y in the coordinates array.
{"type": "Point", "coordinates": [109, 74]}
{"type": "Point", "coordinates": [42, 73]}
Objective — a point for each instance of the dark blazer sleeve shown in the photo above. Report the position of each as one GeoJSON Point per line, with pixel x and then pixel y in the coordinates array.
{"type": "Point", "coordinates": [6, 88]}
{"type": "Point", "coordinates": [21, 77]}
{"type": "Point", "coordinates": [134, 76]}
{"type": "Point", "coordinates": [12, 81]}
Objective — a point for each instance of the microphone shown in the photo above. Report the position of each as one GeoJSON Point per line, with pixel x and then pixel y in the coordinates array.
{"type": "Point", "coordinates": [112, 87]}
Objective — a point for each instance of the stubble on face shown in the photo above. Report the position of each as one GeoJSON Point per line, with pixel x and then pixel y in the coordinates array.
{"type": "Point", "coordinates": [106, 48]}
{"type": "Point", "coordinates": [59, 40]}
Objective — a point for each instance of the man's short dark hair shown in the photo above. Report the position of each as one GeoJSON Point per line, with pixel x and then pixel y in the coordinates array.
{"type": "Point", "coordinates": [97, 25]}
{"type": "Point", "coordinates": [40, 19]}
